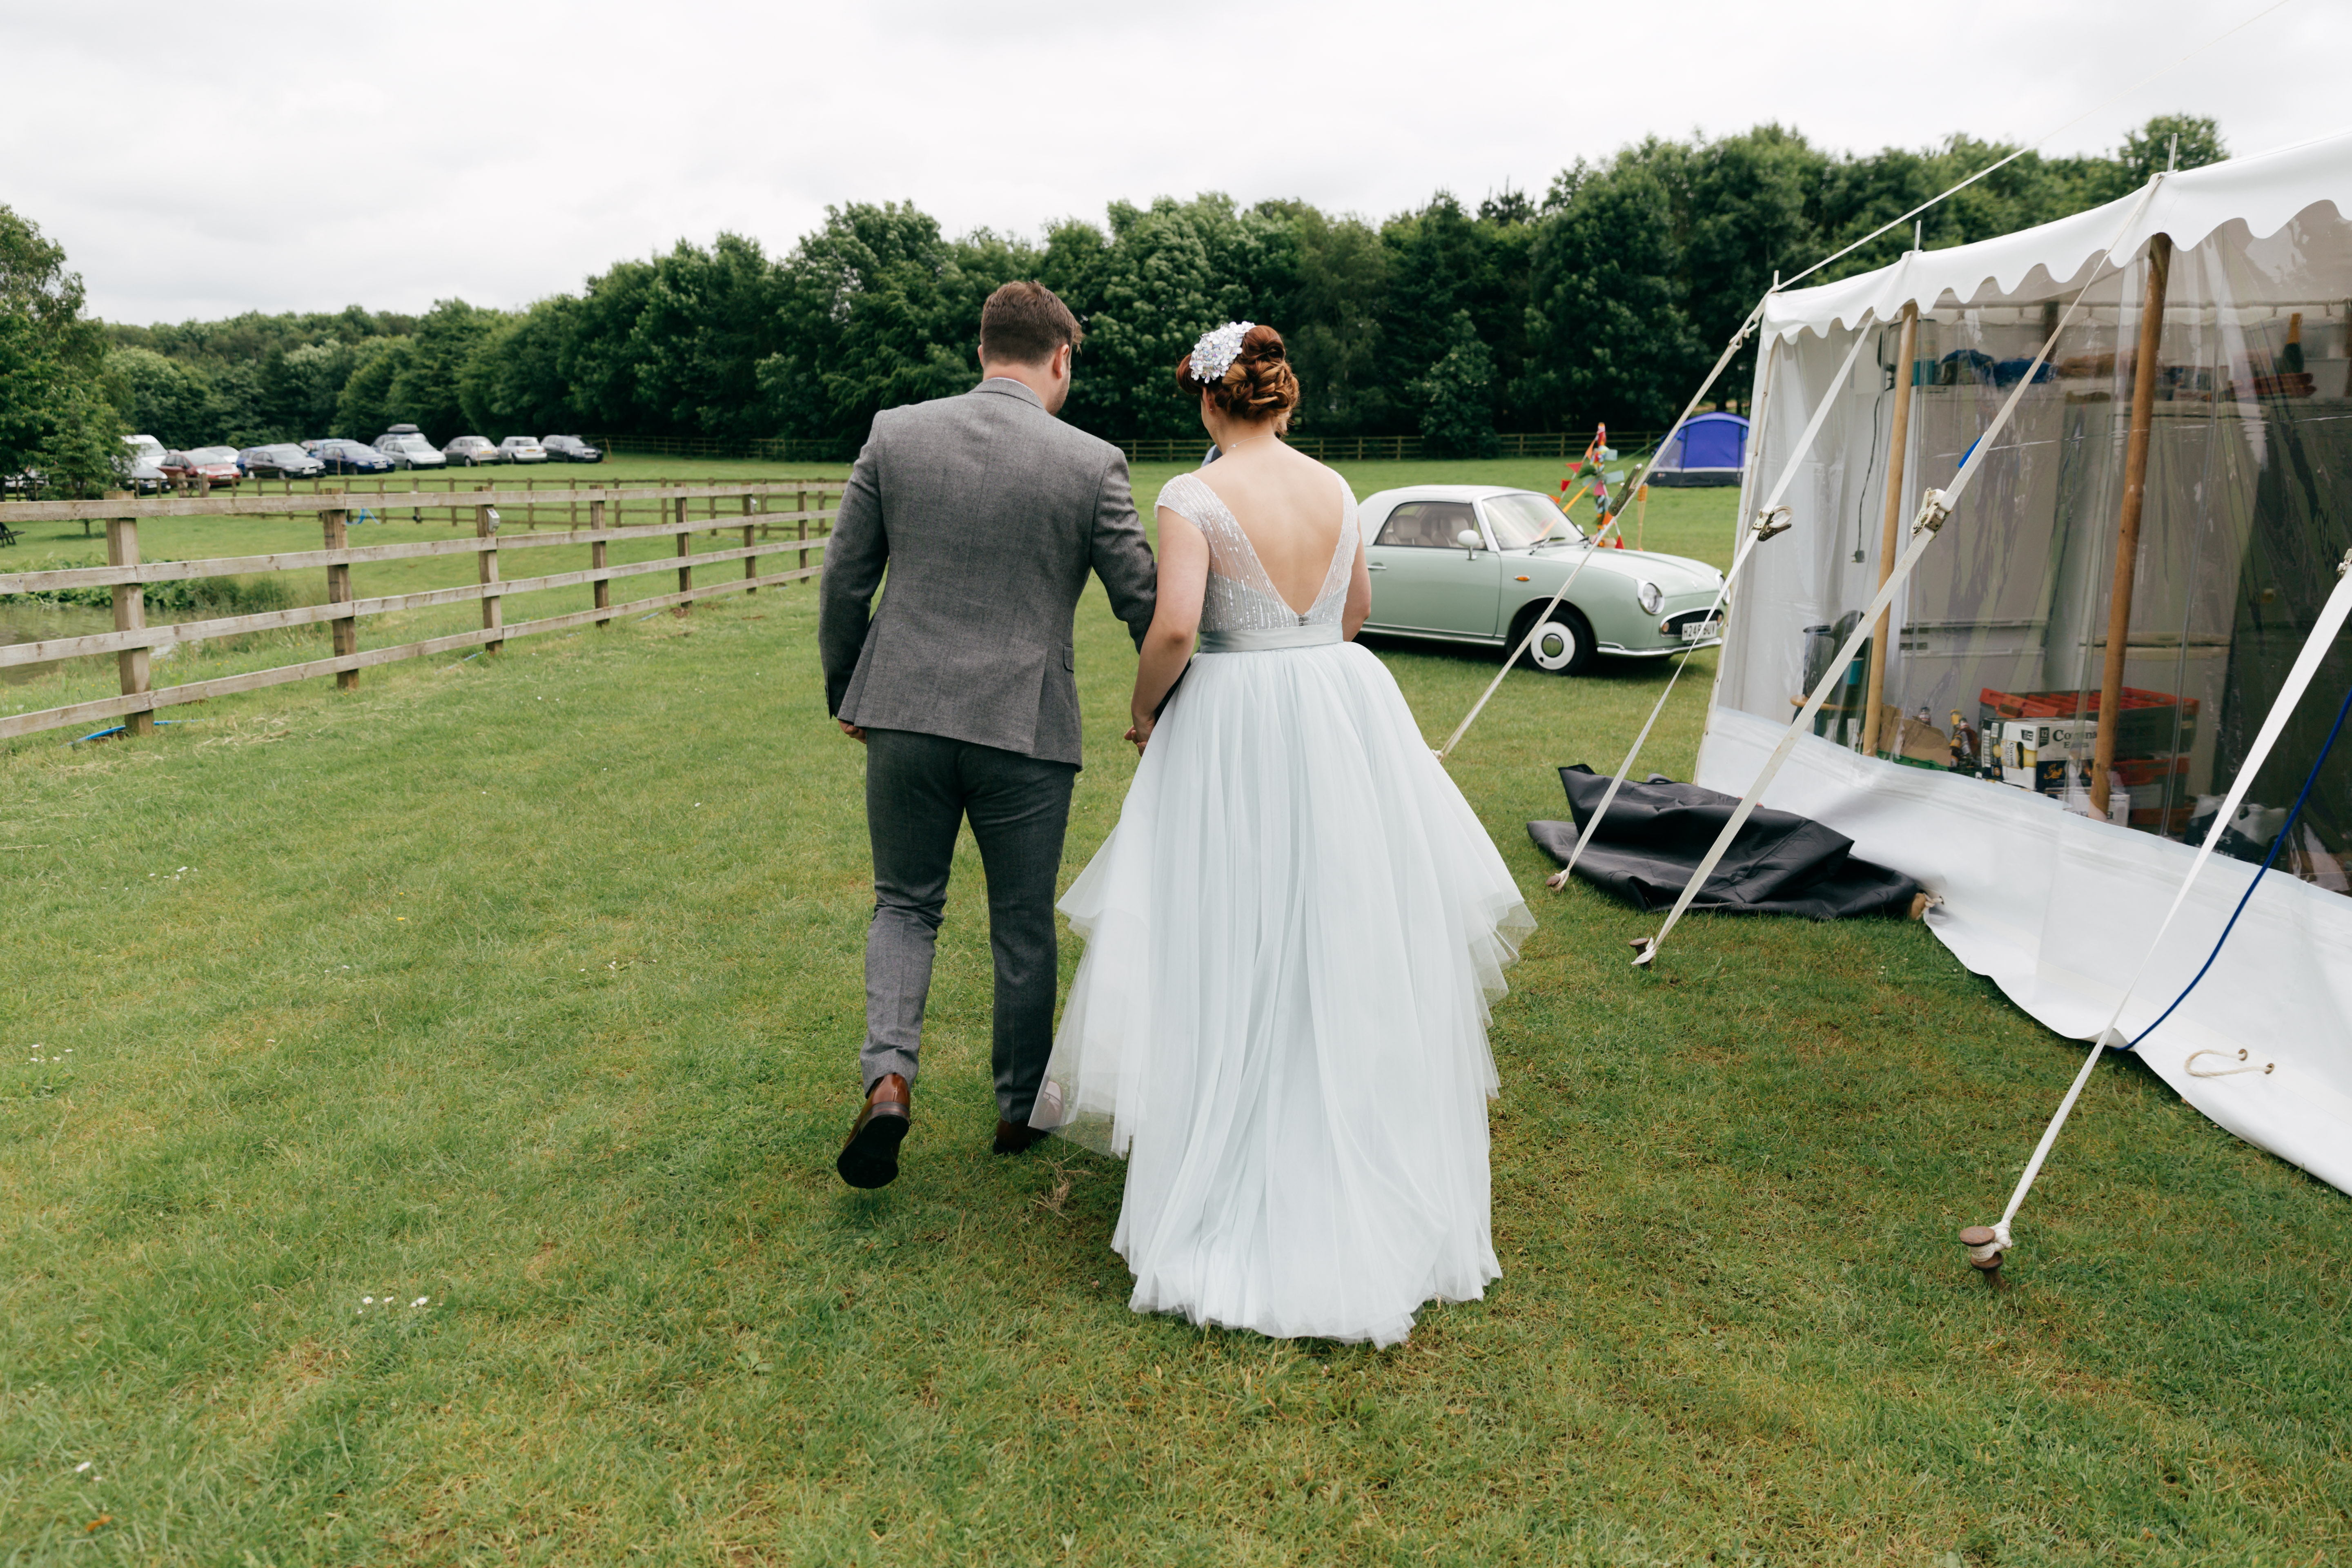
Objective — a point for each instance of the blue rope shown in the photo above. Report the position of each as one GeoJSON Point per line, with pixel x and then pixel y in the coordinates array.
{"type": "Point", "coordinates": [2276, 844]}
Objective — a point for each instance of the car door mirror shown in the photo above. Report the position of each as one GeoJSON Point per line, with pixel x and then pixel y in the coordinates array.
{"type": "Point", "coordinates": [1468, 540]}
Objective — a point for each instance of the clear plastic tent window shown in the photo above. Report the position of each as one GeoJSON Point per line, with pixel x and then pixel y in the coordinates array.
{"type": "Point", "coordinates": [1992, 707]}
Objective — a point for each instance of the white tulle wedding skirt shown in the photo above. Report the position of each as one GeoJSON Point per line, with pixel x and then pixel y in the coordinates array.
{"type": "Point", "coordinates": [1292, 939]}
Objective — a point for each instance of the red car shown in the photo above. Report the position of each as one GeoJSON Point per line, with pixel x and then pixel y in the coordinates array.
{"type": "Point", "coordinates": [215, 464]}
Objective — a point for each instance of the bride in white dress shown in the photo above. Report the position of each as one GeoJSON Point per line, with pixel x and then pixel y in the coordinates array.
{"type": "Point", "coordinates": [1295, 931]}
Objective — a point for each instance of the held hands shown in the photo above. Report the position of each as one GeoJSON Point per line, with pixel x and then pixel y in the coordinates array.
{"type": "Point", "coordinates": [1140, 731]}
{"type": "Point", "coordinates": [854, 731]}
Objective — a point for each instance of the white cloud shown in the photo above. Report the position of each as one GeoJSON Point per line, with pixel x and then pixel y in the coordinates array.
{"type": "Point", "coordinates": [262, 154]}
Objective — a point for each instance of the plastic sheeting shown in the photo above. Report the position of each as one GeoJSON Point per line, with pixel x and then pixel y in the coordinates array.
{"type": "Point", "coordinates": [1657, 831]}
{"type": "Point", "coordinates": [1998, 642]}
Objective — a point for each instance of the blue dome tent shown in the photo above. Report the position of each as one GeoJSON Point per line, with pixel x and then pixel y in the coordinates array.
{"type": "Point", "coordinates": [1706, 450]}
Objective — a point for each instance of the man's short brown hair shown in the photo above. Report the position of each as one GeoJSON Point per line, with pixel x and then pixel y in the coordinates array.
{"type": "Point", "coordinates": [1024, 323]}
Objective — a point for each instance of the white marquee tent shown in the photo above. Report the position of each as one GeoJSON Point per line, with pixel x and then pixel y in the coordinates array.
{"type": "Point", "coordinates": [1978, 769]}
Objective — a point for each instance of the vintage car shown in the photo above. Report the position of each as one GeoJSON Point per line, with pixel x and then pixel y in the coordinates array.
{"type": "Point", "coordinates": [1477, 564]}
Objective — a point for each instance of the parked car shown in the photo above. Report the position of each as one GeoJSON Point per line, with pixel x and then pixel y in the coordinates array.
{"type": "Point", "coordinates": [570, 449]}
{"type": "Point", "coordinates": [214, 464]}
{"type": "Point", "coordinates": [1477, 564]}
{"type": "Point", "coordinates": [342, 455]}
{"type": "Point", "coordinates": [281, 460]}
{"type": "Point", "coordinates": [522, 450]}
{"type": "Point", "coordinates": [472, 451]}
{"type": "Point", "coordinates": [142, 465]}
{"type": "Point", "coordinates": [409, 449]}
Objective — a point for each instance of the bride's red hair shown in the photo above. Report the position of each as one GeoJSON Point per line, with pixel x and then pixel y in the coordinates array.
{"type": "Point", "coordinates": [1259, 385]}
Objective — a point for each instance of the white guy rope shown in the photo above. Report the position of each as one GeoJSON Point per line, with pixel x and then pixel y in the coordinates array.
{"type": "Point", "coordinates": [2037, 141]}
{"type": "Point", "coordinates": [2332, 616]}
{"type": "Point", "coordinates": [1601, 537]}
{"type": "Point", "coordinates": [1935, 507]}
{"type": "Point", "coordinates": [1756, 534]}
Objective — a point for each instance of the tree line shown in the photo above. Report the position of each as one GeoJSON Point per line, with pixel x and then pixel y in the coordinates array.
{"type": "Point", "coordinates": [1605, 298]}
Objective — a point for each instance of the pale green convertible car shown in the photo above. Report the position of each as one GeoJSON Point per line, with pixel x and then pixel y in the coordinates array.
{"type": "Point", "coordinates": [1476, 564]}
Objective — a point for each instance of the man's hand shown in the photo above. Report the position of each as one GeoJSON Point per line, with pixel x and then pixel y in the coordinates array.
{"type": "Point", "coordinates": [852, 730]}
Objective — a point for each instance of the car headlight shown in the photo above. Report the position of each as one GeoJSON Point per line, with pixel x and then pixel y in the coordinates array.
{"type": "Point", "coordinates": [1648, 596]}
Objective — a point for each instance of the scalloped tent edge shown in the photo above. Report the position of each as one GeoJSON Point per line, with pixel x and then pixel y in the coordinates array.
{"type": "Point", "coordinates": [2266, 192]}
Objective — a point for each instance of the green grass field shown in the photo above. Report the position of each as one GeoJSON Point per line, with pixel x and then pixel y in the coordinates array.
{"type": "Point", "coordinates": [523, 994]}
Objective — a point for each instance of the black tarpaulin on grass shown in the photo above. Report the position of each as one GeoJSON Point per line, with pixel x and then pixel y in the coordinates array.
{"type": "Point", "coordinates": [1657, 832]}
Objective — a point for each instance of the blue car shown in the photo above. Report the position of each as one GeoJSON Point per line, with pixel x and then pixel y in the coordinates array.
{"type": "Point", "coordinates": [342, 457]}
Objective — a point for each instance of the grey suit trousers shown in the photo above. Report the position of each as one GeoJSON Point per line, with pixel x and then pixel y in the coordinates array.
{"type": "Point", "coordinates": [920, 789]}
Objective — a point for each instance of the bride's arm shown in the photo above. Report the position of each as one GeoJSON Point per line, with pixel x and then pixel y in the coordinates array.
{"type": "Point", "coordinates": [1359, 595]}
{"type": "Point", "coordinates": [1175, 616]}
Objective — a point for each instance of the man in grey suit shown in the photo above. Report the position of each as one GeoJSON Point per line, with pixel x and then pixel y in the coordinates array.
{"type": "Point", "coordinates": [987, 512]}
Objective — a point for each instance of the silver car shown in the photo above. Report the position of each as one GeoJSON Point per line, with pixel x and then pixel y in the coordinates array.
{"type": "Point", "coordinates": [408, 448]}
{"type": "Point", "coordinates": [1477, 564]}
{"type": "Point", "coordinates": [522, 450]}
{"type": "Point", "coordinates": [472, 451]}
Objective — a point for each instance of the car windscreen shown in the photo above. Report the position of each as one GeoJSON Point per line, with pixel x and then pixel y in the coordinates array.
{"type": "Point", "coordinates": [1520, 519]}
{"type": "Point", "coordinates": [213, 454]}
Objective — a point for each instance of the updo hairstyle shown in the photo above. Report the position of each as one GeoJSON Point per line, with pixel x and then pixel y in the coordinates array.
{"type": "Point", "coordinates": [1258, 386]}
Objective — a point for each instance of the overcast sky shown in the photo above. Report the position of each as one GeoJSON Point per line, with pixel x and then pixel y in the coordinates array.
{"type": "Point", "coordinates": [200, 161]}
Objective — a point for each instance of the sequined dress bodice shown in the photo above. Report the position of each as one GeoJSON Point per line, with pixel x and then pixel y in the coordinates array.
{"type": "Point", "coordinates": [1240, 596]}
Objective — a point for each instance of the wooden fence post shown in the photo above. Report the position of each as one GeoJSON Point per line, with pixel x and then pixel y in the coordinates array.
{"type": "Point", "coordinates": [493, 607]}
{"type": "Point", "coordinates": [334, 527]}
{"type": "Point", "coordinates": [604, 600]}
{"type": "Point", "coordinates": [130, 613]}
{"type": "Point", "coordinates": [750, 563]}
{"type": "Point", "coordinates": [800, 505]}
{"type": "Point", "coordinates": [685, 548]}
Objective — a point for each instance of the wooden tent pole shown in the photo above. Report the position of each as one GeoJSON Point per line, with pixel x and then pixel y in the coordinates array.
{"type": "Point", "coordinates": [2119, 599]}
{"type": "Point", "coordinates": [1898, 439]}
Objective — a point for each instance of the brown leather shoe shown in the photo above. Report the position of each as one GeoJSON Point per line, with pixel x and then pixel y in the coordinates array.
{"type": "Point", "coordinates": [870, 1157]}
{"type": "Point", "coordinates": [1012, 1137]}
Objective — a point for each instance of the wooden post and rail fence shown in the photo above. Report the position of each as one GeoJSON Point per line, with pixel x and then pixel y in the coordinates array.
{"type": "Point", "coordinates": [725, 508]}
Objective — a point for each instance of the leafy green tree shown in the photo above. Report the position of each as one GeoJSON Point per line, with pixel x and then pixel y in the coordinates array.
{"type": "Point", "coordinates": [1608, 338]}
{"type": "Point", "coordinates": [2148, 151]}
{"type": "Point", "coordinates": [706, 321]}
{"type": "Point", "coordinates": [54, 414]}
{"type": "Point", "coordinates": [1441, 260]}
{"type": "Point", "coordinates": [1162, 276]}
{"type": "Point", "coordinates": [597, 357]}
{"type": "Point", "coordinates": [1458, 396]}
{"type": "Point", "coordinates": [1331, 321]}
{"type": "Point", "coordinates": [423, 391]}
{"type": "Point", "coordinates": [513, 381]}
{"type": "Point", "coordinates": [301, 387]}
{"type": "Point", "coordinates": [366, 404]}
{"type": "Point", "coordinates": [160, 397]}
{"type": "Point", "coordinates": [878, 310]}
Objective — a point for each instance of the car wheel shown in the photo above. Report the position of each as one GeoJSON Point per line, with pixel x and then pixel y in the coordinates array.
{"type": "Point", "coordinates": [1562, 643]}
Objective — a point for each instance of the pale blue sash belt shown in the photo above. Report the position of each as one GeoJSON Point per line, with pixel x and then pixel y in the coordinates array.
{"type": "Point", "coordinates": [1258, 641]}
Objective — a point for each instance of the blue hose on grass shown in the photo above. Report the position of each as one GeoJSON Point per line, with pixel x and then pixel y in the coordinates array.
{"type": "Point", "coordinates": [2276, 844]}
{"type": "Point", "coordinates": [118, 729]}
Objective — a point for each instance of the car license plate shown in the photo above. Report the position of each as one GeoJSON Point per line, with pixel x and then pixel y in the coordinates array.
{"type": "Point", "coordinates": [1700, 631]}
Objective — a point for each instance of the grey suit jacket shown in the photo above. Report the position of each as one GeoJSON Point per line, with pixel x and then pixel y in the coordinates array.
{"type": "Point", "coordinates": [987, 513]}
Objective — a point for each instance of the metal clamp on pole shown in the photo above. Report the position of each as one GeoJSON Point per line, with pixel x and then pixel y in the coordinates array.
{"type": "Point", "coordinates": [1933, 511]}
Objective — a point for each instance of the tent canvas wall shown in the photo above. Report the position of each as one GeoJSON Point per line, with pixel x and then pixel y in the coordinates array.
{"type": "Point", "coordinates": [1704, 449]}
{"type": "Point", "coordinates": [1998, 640]}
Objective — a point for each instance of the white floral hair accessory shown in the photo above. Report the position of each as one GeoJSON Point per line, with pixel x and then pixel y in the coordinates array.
{"type": "Point", "coordinates": [1215, 352]}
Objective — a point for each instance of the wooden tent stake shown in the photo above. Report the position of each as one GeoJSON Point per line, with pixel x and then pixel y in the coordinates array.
{"type": "Point", "coordinates": [2120, 601]}
{"type": "Point", "coordinates": [1898, 439]}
